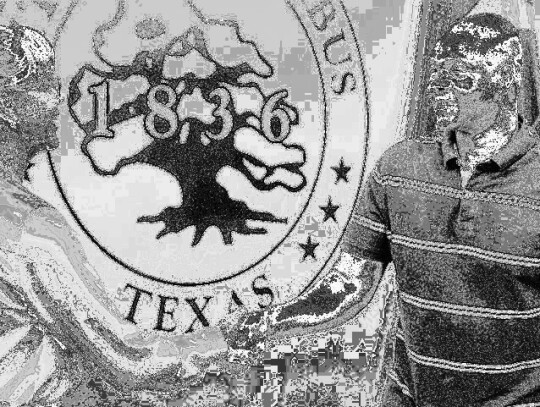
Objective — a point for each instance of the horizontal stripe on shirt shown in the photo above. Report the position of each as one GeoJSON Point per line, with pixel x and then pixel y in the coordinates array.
{"type": "Point", "coordinates": [470, 339]}
{"type": "Point", "coordinates": [404, 389]}
{"type": "Point", "coordinates": [450, 248]}
{"type": "Point", "coordinates": [459, 249]}
{"type": "Point", "coordinates": [370, 224]}
{"type": "Point", "coordinates": [468, 367]}
{"type": "Point", "coordinates": [464, 310]}
{"type": "Point", "coordinates": [450, 192]}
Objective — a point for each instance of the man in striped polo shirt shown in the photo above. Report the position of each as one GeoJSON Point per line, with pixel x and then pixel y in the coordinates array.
{"type": "Point", "coordinates": [460, 220]}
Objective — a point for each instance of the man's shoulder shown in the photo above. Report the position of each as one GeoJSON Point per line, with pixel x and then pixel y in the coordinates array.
{"type": "Point", "coordinates": [407, 157]}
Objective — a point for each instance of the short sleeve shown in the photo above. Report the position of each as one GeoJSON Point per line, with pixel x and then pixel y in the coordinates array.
{"type": "Point", "coordinates": [366, 236]}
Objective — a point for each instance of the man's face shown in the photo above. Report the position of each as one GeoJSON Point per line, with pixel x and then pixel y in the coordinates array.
{"type": "Point", "coordinates": [468, 92]}
{"type": "Point", "coordinates": [455, 96]}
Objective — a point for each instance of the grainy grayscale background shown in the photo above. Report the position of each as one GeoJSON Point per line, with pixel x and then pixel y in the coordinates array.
{"type": "Point", "coordinates": [384, 30]}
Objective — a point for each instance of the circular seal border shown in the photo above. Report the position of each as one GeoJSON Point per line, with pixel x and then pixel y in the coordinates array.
{"type": "Point", "coordinates": [367, 126]}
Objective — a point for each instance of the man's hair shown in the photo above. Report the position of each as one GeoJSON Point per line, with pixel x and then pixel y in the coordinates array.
{"type": "Point", "coordinates": [486, 35]}
{"type": "Point", "coordinates": [479, 33]}
{"type": "Point", "coordinates": [23, 52]}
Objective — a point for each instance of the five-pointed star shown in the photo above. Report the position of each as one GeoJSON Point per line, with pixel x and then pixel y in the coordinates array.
{"type": "Point", "coordinates": [341, 171]}
{"type": "Point", "coordinates": [309, 248]}
{"type": "Point", "coordinates": [329, 210]}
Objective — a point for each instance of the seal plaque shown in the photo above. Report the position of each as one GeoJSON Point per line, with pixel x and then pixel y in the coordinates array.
{"type": "Point", "coordinates": [215, 152]}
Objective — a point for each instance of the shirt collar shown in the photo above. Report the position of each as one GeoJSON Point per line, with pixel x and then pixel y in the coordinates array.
{"type": "Point", "coordinates": [521, 142]}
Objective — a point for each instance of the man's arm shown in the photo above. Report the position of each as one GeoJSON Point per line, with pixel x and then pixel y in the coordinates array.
{"type": "Point", "coordinates": [345, 291]}
{"type": "Point", "coordinates": [339, 296]}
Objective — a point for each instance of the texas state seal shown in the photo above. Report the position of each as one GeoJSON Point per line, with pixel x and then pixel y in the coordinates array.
{"type": "Point", "coordinates": [213, 153]}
